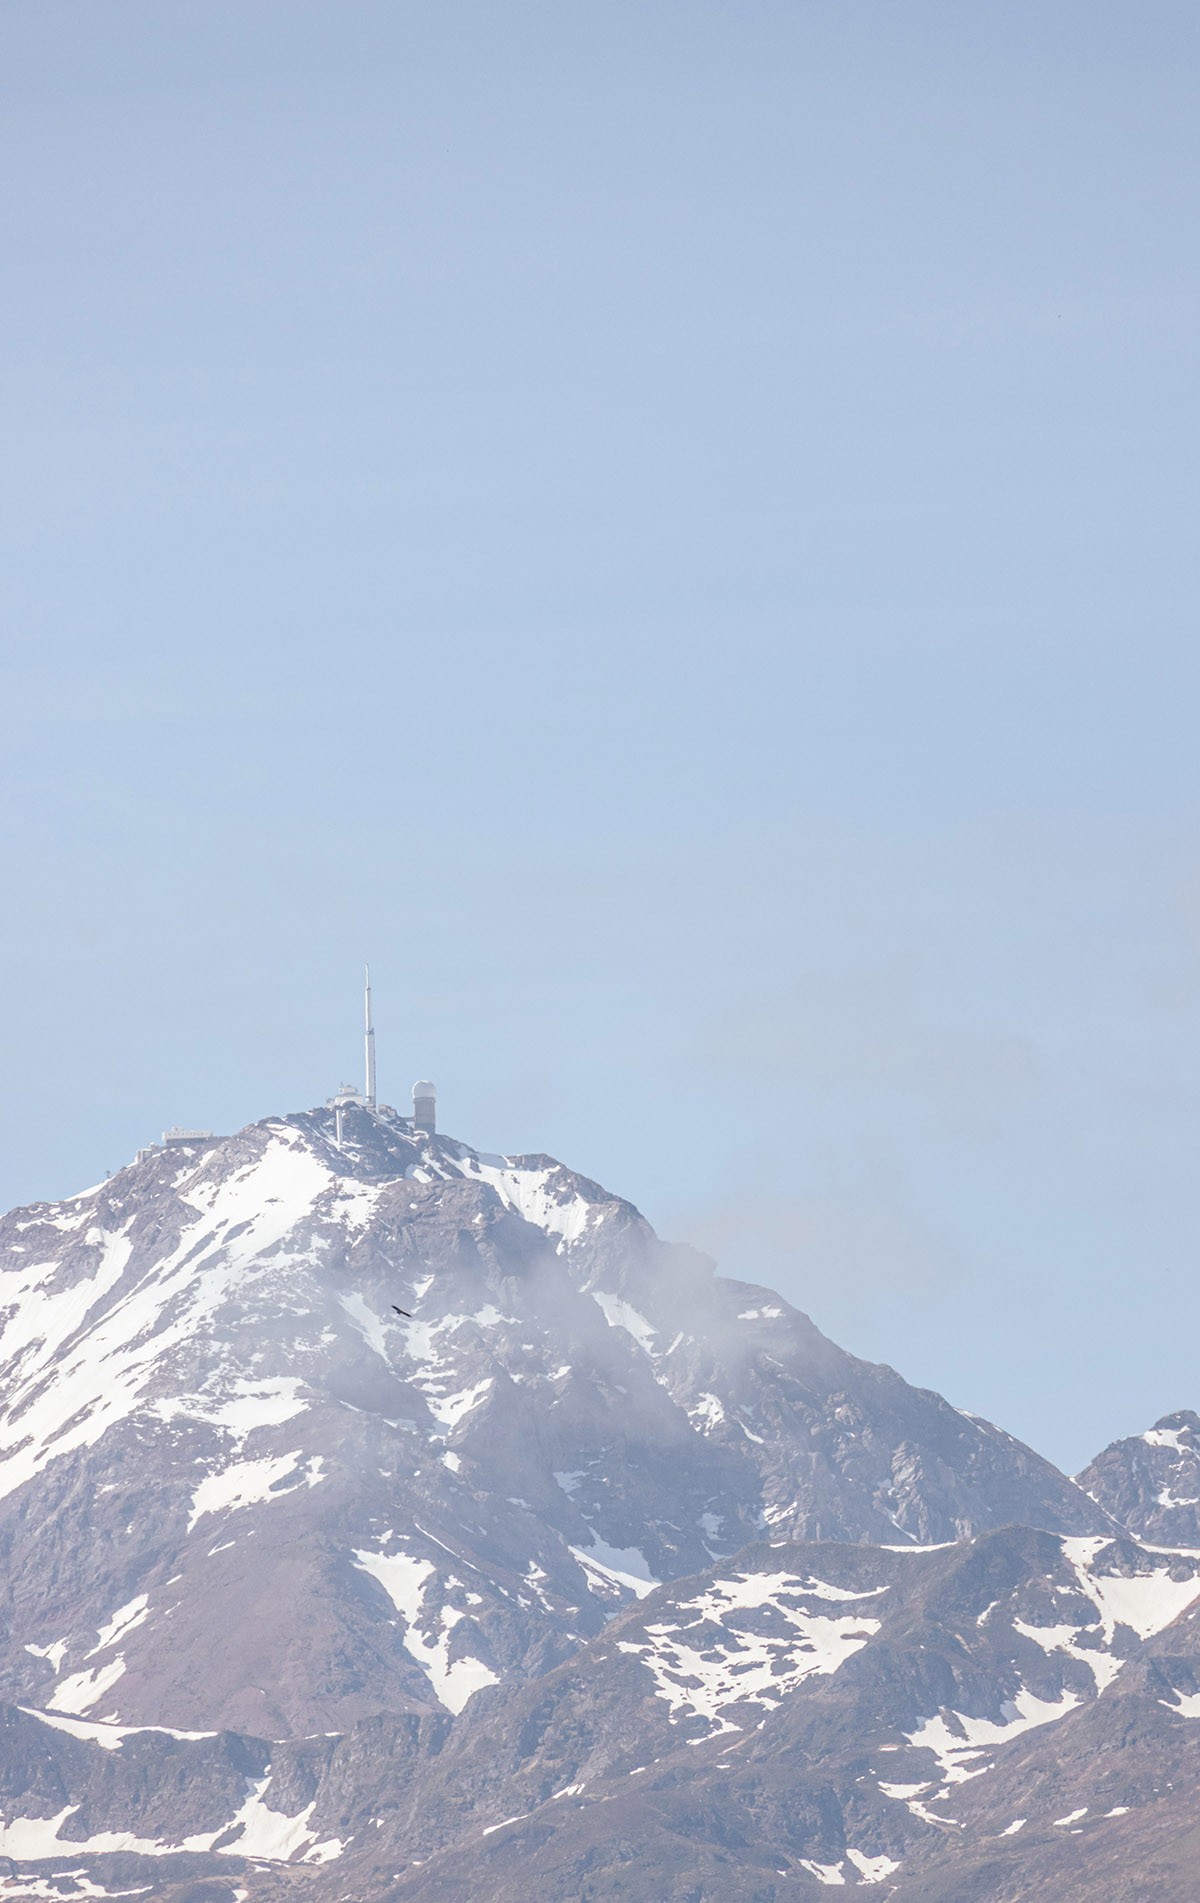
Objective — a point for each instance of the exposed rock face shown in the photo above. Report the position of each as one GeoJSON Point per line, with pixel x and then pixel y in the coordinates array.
{"type": "Point", "coordinates": [826, 1716]}
{"type": "Point", "coordinates": [593, 1575]}
{"type": "Point", "coordinates": [1151, 1482]}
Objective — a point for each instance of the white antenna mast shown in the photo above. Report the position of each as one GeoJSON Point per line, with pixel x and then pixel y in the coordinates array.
{"type": "Point", "coordinates": [370, 1042]}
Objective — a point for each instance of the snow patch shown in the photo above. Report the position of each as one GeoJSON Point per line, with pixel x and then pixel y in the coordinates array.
{"type": "Point", "coordinates": [123, 1620]}
{"type": "Point", "coordinates": [55, 1653]}
{"type": "Point", "coordinates": [621, 1566]}
{"type": "Point", "coordinates": [1187, 1705]}
{"type": "Point", "coordinates": [708, 1411]}
{"type": "Point", "coordinates": [451, 1408]}
{"type": "Point", "coordinates": [245, 1406]}
{"type": "Point", "coordinates": [108, 1736]}
{"type": "Point", "coordinates": [1146, 1602]}
{"type": "Point", "coordinates": [872, 1869]}
{"type": "Point", "coordinates": [541, 1196]}
{"type": "Point", "coordinates": [81, 1691]}
{"type": "Point", "coordinates": [268, 1833]}
{"type": "Point", "coordinates": [246, 1483]}
{"type": "Point", "coordinates": [78, 1359]}
{"type": "Point", "coordinates": [705, 1665]}
{"type": "Point", "coordinates": [405, 1579]}
{"type": "Point", "coordinates": [619, 1313]}
{"type": "Point", "coordinates": [367, 1324]}
{"type": "Point", "coordinates": [954, 1737]}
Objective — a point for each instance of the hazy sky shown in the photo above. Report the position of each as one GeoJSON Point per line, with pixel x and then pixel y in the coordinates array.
{"type": "Point", "coordinates": [671, 529]}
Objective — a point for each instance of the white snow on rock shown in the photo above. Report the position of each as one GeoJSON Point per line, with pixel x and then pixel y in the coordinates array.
{"type": "Point", "coordinates": [708, 1412]}
{"type": "Point", "coordinates": [541, 1196]}
{"type": "Point", "coordinates": [622, 1567]}
{"type": "Point", "coordinates": [40, 1417]}
{"type": "Point", "coordinates": [402, 1577]}
{"type": "Point", "coordinates": [38, 1837]}
{"type": "Point", "coordinates": [1165, 1498]}
{"type": "Point", "coordinates": [1146, 1601]}
{"type": "Point", "coordinates": [240, 1407]}
{"type": "Point", "coordinates": [270, 1194]}
{"type": "Point", "coordinates": [355, 1203]}
{"type": "Point", "coordinates": [405, 1578]}
{"type": "Point", "coordinates": [1068, 1640]}
{"type": "Point", "coordinates": [367, 1324]}
{"type": "Point", "coordinates": [78, 1359]}
{"type": "Point", "coordinates": [619, 1313]}
{"type": "Point", "coordinates": [109, 1737]}
{"type": "Point", "coordinates": [957, 1739]}
{"type": "Point", "coordinates": [82, 1690]}
{"type": "Point", "coordinates": [1187, 1704]}
{"type": "Point", "coordinates": [450, 1408]}
{"type": "Point", "coordinates": [717, 1657]}
{"type": "Point", "coordinates": [124, 1620]}
{"type": "Point", "coordinates": [55, 1653]}
{"type": "Point", "coordinates": [267, 1833]}
{"type": "Point", "coordinates": [872, 1869]}
{"type": "Point", "coordinates": [245, 1483]}
{"type": "Point", "coordinates": [1142, 1602]}
{"type": "Point", "coordinates": [255, 1830]}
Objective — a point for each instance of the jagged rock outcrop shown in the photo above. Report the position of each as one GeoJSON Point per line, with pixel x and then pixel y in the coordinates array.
{"type": "Point", "coordinates": [1151, 1482]}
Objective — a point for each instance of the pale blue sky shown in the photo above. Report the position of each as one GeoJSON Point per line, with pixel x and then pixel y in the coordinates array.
{"type": "Point", "coordinates": [670, 528]}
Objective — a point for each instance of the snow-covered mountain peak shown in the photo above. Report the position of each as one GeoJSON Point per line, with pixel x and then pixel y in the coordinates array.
{"type": "Point", "coordinates": [1151, 1481]}
{"type": "Point", "coordinates": [336, 1451]}
{"type": "Point", "coordinates": [449, 1410]}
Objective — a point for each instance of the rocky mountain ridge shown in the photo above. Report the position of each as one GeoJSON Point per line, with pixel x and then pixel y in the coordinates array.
{"type": "Point", "coordinates": [1151, 1482]}
{"type": "Point", "coordinates": [287, 1570]}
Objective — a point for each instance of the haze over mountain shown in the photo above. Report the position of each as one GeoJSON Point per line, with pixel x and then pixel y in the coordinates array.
{"type": "Point", "coordinates": [383, 1518]}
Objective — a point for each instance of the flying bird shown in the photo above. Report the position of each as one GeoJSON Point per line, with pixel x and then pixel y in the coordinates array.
{"type": "Point", "coordinates": [403, 1311]}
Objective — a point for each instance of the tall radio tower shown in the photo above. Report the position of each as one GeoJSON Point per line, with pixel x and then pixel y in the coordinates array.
{"type": "Point", "coordinates": [370, 1042]}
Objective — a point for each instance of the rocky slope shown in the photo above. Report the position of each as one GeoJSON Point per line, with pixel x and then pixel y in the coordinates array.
{"type": "Point", "coordinates": [1151, 1482]}
{"type": "Point", "coordinates": [594, 1570]}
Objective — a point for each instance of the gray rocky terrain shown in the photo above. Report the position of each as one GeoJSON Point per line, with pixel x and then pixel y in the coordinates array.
{"type": "Point", "coordinates": [595, 1575]}
{"type": "Point", "coordinates": [1151, 1482]}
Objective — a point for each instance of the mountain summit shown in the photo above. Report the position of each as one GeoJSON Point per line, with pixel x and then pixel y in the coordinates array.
{"type": "Point", "coordinates": [284, 1563]}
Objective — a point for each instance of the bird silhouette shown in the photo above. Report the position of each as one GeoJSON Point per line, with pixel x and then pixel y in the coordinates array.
{"type": "Point", "coordinates": [403, 1311]}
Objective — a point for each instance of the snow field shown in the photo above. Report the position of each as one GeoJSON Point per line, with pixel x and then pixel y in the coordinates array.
{"type": "Point", "coordinates": [750, 1640]}
{"type": "Point", "coordinates": [78, 1360]}
{"type": "Point", "coordinates": [405, 1579]}
{"type": "Point", "coordinates": [534, 1194]}
{"type": "Point", "coordinates": [249, 1483]}
{"type": "Point", "coordinates": [622, 1567]}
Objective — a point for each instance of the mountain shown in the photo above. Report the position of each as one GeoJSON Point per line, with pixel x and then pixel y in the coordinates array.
{"type": "Point", "coordinates": [594, 1569]}
{"type": "Point", "coordinates": [1151, 1482]}
{"type": "Point", "coordinates": [823, 1716]}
